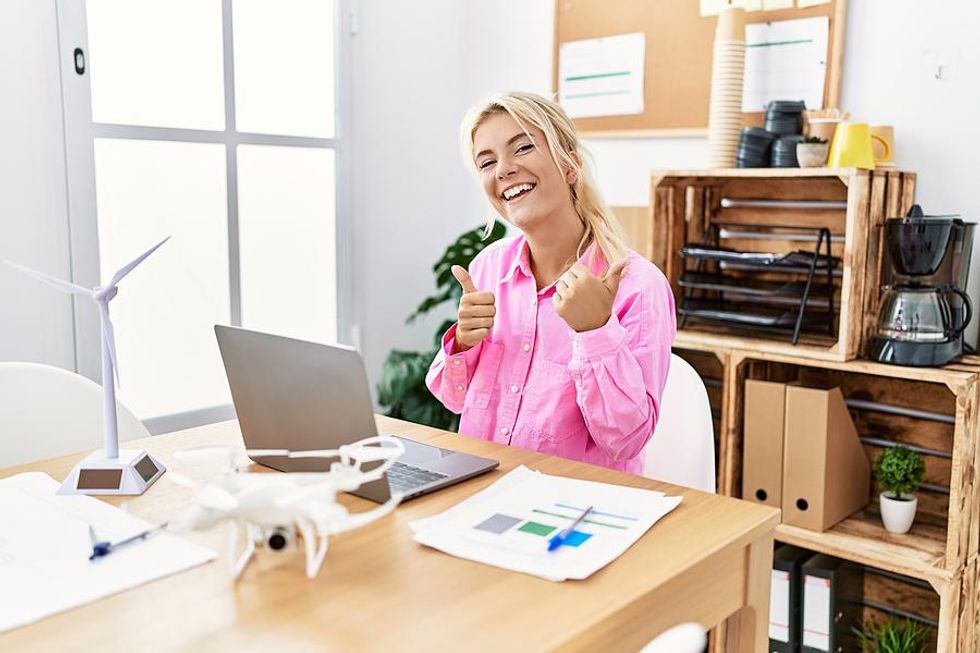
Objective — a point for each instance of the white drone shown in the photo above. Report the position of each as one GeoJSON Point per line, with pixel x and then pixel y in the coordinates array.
{"type": "Point", "coordinates": [269, 508]}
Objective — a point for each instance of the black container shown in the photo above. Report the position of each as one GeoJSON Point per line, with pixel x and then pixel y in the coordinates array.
{"type": "Point", "coordinates": [784, 151]}
{"type": "Point", "coordinates": [754, 148]}
{"type": "Point", "coordinates": [785, 117]}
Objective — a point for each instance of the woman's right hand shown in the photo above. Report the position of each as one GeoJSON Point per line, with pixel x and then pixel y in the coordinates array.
{"type": "Point", "coordinates": [476, 311]}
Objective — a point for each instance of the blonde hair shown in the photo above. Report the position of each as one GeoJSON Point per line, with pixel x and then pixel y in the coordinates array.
{"type": "Point", "coordinates": [601, 225]}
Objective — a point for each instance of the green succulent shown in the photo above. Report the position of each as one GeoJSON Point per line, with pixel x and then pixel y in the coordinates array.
{"type": "Point", "coordinates": [814, 139]}
{"type": "Point", "coordinates": [402, 386]}
{"type": "Point", "coordinates": [899, 470]}
{"type": "Point", "coordinates": [893, 636]}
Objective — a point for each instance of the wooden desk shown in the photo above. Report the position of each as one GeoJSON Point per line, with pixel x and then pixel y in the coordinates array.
{"type": "Point", "coordinates": [707, 561]}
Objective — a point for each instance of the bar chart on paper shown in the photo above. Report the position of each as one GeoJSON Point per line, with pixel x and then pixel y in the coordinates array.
{"type": "Point", "coordinates": [510, 524]}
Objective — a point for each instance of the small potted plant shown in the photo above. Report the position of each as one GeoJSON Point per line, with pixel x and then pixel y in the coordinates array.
{"type": "Point", "coordinates": [893, 636]}
{"type": "Point", "coordinates": [899, 471]}
{"type": "Point", "coordinates": [811, 152]}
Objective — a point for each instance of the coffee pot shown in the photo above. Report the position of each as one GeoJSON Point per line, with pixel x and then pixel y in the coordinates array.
{"type": "Point", "coordinates": [924, 308]}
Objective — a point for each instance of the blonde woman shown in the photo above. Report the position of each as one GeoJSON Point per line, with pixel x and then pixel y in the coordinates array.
{"type": "Point", "coordinates": [563, 337]}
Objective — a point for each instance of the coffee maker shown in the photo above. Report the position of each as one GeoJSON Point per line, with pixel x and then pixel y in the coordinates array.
{"type": "Point", "coordinates": [924, 307]}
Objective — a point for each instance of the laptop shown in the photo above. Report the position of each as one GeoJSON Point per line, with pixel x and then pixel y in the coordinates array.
{"type": "Point", "coordinates": [298, 395]}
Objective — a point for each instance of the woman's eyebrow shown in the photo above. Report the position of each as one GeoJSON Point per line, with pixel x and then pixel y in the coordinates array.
{"type": "Point", "coordinates": [510, 141]}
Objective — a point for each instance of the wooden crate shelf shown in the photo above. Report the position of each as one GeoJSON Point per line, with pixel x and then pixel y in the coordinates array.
{"type": "Point", "coordinates": [686, 203]}
{"type": "Point", "coordinates": [947, 529]}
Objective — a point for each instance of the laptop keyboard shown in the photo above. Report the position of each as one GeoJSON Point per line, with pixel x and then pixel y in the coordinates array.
{"type": "Point", "coordinates": [402, 477]}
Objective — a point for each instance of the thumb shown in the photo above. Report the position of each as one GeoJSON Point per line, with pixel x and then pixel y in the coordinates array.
{"type": "Point", "coordinates": [613, 276]}
{"type": "Point", "coordinates": [464, 278]}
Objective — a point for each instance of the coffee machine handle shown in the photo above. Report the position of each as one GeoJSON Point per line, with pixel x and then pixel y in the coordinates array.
{"type": "Point", "coordinates": [969, 310]}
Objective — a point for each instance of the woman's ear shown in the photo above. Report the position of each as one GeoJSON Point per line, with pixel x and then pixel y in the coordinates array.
{"type": "Point", "coordinates": [571, 175]}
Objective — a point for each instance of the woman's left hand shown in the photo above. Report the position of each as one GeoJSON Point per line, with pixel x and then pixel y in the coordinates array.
{"type": "Point", "coordinates": [585, 301]}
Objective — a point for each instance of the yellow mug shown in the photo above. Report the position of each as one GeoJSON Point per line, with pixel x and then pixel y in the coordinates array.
{"type": "Point", "coordinates": [851, 147]}
{"type": "Point", "coordinates": [883, 149]}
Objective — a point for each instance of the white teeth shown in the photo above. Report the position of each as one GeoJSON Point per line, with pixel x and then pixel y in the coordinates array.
{"type": "Point", "coordinates": [511, 192]}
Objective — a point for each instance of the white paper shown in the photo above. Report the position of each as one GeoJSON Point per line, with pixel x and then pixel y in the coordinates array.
{"type": "Point", "coordinates": [785, 60]}
{"type": "Point", "coordinates": [619, 517]}
{"type": "Point", "coordinates": [779, 606]}
{"type": "Point", "coordinates": [712, 7]}
{"type": "Point", "coordinates": [602, 77]}
{"type": "Point", "coordinates": [45, 545]}
{"type": "Point", "coordinates": [816, 612]}
{"type": "Point", "coordinates": [771, 5]}
{"type": "Point", "coordinates": [802, 4]}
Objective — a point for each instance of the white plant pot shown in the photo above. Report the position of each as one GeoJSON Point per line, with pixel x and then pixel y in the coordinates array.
{"type": "Point", "coordinates": [898, 514]}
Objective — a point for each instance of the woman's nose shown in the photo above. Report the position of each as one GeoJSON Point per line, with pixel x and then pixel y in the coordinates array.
{"type": "Point", "coordinates": [506, 168]}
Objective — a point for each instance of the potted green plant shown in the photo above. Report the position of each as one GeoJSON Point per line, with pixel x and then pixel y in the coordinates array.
{"type": "Point", "coordinates": [898, 471]}
{"type": "Point", "coordinates": [402, 386]}
{"type": "Point", "coordinates": [893, 636]}
{"type": "Point", "coordinates": [811, 152]}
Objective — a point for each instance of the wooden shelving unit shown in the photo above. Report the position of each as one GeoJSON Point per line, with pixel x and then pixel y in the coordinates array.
{"type": "Point", "coordinates": [934, 570]}
{"type": "Point", "coordinates": [686, 205]}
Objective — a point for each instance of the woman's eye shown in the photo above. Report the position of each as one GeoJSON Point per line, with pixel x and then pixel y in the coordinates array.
{"type": "Point", "coordinates": [525, 148]}
{"type": "Point", "coordinates": [486, 164]}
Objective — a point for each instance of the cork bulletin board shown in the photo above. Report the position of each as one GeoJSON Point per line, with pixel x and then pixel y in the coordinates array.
{"type": "Point", "coordinates": [678, 56]}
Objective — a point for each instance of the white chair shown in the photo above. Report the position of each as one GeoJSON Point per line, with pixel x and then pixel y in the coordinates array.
{"type": "Point", "coordinates": [46, 411]}
{"type": "Point", "coordinates": [683, 638]}
{"type": "Point", "coordinates": [682, 449]}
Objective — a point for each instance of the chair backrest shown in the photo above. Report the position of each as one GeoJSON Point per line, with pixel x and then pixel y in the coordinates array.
{"type": "Point", "coordinates": [683, 638]}
{"type": "Point", "coordinates": [682, 449]}
{"type": "Point", "coordinates": [46, 411]}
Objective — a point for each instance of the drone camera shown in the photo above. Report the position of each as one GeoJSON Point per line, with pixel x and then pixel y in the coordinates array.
{"type": "Point", "coordinates": [278, 539]}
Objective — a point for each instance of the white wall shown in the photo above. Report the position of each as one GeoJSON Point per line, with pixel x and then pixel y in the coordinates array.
{"type": "Point", "coordinates": [409, 194]}
{"type": "Point", "coordinates": [35, 321]}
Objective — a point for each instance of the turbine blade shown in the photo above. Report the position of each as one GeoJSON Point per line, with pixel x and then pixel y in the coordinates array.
{"type": "Point", "coordinates": [60, 284]}
{"type": "Point", "coordinates": [126, 269]}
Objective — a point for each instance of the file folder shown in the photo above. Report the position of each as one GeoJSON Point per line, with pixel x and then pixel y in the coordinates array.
{"type": "Point", "coordinates": [826, 473]}
{"type": "Point", "coordinates": [832, 594]}
{"type": "Point", "coordinates": [786, 599]}
{"type": "Point", "coordinates": [762, 458]}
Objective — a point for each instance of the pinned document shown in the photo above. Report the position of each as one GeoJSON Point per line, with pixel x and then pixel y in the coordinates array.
{"type": "Point", "coordinates": [45, 546]}
{"type": "Point", "coordinates": [602, 77]}
{"type": "Point", "coordinates": [508, 524]}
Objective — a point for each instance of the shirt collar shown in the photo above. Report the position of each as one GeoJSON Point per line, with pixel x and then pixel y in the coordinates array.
{"type": "Point", "coordinates": [522, 261]}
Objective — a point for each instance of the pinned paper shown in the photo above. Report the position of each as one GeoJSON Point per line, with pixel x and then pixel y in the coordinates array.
{"type": "Point", "coordinates": [773, 5]}
{"type": "Point", "coordinates": [803, 4]}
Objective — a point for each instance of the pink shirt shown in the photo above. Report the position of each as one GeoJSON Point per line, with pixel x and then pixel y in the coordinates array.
{"type": "Point", "coordinates": [535, 383]}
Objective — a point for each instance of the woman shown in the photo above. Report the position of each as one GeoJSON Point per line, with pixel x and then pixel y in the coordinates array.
{"type": "Point", "coordinates": [563, 338]}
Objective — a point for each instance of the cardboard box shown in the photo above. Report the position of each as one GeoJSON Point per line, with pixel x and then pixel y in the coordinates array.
{"type": "Point", "coordinates": [826, 473]}
{"type": "Point", "coordinates": [762, 463]}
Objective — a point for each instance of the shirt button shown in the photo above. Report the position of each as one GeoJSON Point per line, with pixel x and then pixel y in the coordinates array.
{"type": "Point", "coordinates": [504, 430]}
{"type": "Point", "coordinates": [514, 388]}
{"type": "Point", "coordinates": [457, 363]}
{"type": "Point", "coordinates": [526, 347]}
{"type": "Point", "coordinates": [459, 388]}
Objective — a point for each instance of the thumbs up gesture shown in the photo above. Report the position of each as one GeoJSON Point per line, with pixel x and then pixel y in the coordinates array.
{"type": "Point", "coordinates": [476, 311]}
{"type": "Point", "coordinates": [584, 300]}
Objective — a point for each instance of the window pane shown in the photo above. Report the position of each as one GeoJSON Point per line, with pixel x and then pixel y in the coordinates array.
{"type": "Point", "coordinates": [286, 217]}
{"type": "Point", "coordinates": [166, 308]}
{"type": "Point", "coordinates": [284, 67]}
{"type": "Point", "coordinates": [158, 64]}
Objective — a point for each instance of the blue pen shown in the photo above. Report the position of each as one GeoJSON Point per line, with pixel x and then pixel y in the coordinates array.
{"type": "Point", "coordinates": [559, 539]}
{"type": "Point", "coordinates": [100, 549]}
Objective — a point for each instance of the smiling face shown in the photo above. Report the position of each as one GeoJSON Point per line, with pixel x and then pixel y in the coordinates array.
{"type": "Point", "coordinates": [518, 175]}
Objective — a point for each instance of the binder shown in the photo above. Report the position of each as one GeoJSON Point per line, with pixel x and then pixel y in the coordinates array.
{"type": "Point", "coordinates": [832, 604]}
{"type": "Point", "coordinates": [786, 599]}
{"type": "Point", "coordinates": [826, 473]}
{"type": "Point", "coordinates": [762, 458]}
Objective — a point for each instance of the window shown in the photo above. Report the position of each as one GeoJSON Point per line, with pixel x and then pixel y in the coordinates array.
{"type": "Point", "coordinates": [215, 122]}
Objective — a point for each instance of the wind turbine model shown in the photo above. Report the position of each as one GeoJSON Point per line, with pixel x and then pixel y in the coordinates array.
{"type": "Point", "coordinates": [107, 471]}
